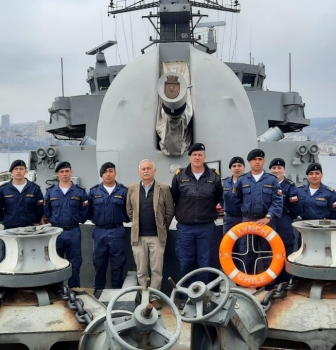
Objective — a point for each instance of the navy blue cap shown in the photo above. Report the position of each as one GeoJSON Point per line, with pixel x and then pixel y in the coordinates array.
{"type": "Point", "coordinates": [314, 167]}
{"type": "Point", "coordinates": [255, 153]}
{"type": "Point", "coordinates": [62, 165]}
{"type": "Point", "coordinates": [196, 147]}
{"type": "Point", "coordinates": [277, 162]}
{"type": "Point", "coordinates": [106, 166]}
{"type": "Point", "coordinates": [236, 159]}
{"type": "Point", "coordinates": [16, 163]}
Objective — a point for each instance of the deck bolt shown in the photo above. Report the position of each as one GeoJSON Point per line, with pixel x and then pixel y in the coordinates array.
{"type": "Point", "coordinates": [196, 288]}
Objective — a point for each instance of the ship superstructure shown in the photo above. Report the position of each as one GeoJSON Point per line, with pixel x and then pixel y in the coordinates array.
{"type": "Point", "coordinates": [211, 105]}
{"type": "Point", "coordinates": [173, 95]}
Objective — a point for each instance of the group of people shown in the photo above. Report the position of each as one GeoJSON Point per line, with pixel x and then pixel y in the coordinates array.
{"type": "Point", "coordinates": [267, 198]}
{"type": "Point", "coordinates": [274, 200]}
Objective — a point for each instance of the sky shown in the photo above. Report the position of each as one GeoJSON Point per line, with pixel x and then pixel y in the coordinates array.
{"type": "Point", "coordinates": [35, 34]}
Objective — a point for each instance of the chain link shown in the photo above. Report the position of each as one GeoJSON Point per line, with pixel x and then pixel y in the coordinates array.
{"type": "Point", "coordinates": [280, 292]}
{"type": "Point", "coordinates": [82, 316]}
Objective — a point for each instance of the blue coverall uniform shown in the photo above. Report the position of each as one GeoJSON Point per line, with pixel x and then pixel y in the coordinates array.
{"type": "Point", "coordinates": [320, 205]}
{"type": "Point", "coordinates": [19, 209]}
{"type": "Point", "coordinates": [283, 225]}
{"type": "Point", "coordinates": [195, 202]}
{"type": "Point", "coordinates": [291, 210]}
{"type": "Point", "coordinates": [108, 212]}
{"type": "Point", "coordinates": [232, 212]}
{"type": "Point", "coordinates": [67, 211]}
{"type": "Point", "coordinates": [256, 200]}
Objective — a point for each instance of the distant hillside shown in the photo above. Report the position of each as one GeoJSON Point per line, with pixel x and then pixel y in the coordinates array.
{"type": "Point", "coordinates": [322, 130]}
{"type": "Point", "coordinates": [322, 123]}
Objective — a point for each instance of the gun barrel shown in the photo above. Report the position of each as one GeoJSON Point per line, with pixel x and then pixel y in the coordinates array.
{"type": "Point", "coordinates": [172, 89]}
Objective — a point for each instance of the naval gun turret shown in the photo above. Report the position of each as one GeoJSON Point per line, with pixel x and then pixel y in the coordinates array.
{"type": "Point", "coordinates": [215, 101]}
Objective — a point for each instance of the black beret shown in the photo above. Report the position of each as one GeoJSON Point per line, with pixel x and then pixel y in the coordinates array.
{"type": "Point", "coordinates": [313, 167]}
{"type": "Point", "coordinates": [16, 163]}
{"type": "Point", "coordinates": [236, 160]}
{"type": "Point", "coordinates": [278, 162]}
{"type": "Point", "coordinates": [196, 147]}
{"type": "Point", "coordinates": [106, 166]}
{"type": "Point", "coordinates": [255, 153]}
{"type": "Point", "coordinates": [62, 165]}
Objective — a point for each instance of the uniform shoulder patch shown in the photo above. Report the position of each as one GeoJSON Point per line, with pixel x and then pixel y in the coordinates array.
{"type": "Point", "coordinates": [94, 186]}
{"type": "Point", "coordinates": [216, 171]}
{"type": "Point", "coordinates": [330, 189]}
{"type": "Point", "coordinates": [177, 171]}
{"type": "Point", "coordinates": [225, 178]}
{"type": "Point", "coordinates": [123, 186]}
{"type": "Point", "coordinates": [290, 182]}
{"type": "Point", "coordinates": [301, 186]}
{"type": "Point", "coordinates": [4, 184]}
{"type": "Point", "coordinates": [83, 188]}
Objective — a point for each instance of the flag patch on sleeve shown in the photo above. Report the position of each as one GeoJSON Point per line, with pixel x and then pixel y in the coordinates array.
{"type": "Point", "coordinates": [293, 199]}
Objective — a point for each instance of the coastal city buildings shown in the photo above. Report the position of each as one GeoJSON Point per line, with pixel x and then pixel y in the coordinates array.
{"type": "Point", "coordinates": [5, 121]}
{"type": "Point", "coordinates": [25, 136]}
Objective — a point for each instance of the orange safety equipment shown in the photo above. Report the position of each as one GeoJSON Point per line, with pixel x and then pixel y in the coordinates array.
{"type": "Point", "coordinates": [229, 267]}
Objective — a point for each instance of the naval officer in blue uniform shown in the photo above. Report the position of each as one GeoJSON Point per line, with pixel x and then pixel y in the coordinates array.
{"type": "Point", "coordinates": [318, 200]}
{"type": "Point", "coordinates": [108, 212]}
{"type": "Point", "coordinates": [21, 201]}
{"type": "Point", "coordinates": [291, 204]}
{"type": "Point", "coordinates": [66, 206]}
{"type": "Point", "coordinates": [260, 197]}
{"type": "Point", "coordinates": [291, 210]}
{"type": "Point", "coordinates": [196, 191]}
{"type": "Point", "coordinates": [232, 212]}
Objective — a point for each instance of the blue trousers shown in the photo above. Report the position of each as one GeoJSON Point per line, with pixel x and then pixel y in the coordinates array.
{"type": "Point", "coordinates": [195, 248]}
{"type": "Point", "coordinates": [251, 245]}
{"type": "Point", "coordinates": [68, 245]}
{"type": "Point", "coordinates": [108, 244]}
{"type": "Point", "coordinates": [284, 276]}
{"type": "Point", "coordinates": [228, 223]}
{"type": "Point", "coordinates": [284, 228]}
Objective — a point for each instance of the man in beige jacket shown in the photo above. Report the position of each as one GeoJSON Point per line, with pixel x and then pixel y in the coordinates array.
{"type": "Point", "coordinates": [151, 209]}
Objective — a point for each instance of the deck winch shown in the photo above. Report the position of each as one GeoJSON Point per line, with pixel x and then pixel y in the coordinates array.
{"type": "Point", "coordinates": [36, 312]}
{"type": "Point", "coordinates": [31, 259]}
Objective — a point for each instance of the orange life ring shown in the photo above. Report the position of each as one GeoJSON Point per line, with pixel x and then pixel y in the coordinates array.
{"type": "Point", "coordinates": [230, 269]}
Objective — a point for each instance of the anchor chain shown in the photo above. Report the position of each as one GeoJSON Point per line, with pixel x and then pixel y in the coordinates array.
{"type": "Point", "coordinates": [280, 292]}
{"type": "Point", "coordinates": [82, 316]}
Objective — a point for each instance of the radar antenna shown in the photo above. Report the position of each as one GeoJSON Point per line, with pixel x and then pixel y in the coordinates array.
{"type": "Point", "coordinates": [175, 19]}
{"type": "Point", "coordinates": [211, 44]}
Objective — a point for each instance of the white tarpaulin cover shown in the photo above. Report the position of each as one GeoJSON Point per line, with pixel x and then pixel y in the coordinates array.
{"type": "Point", "coordinates": [175, 135]}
